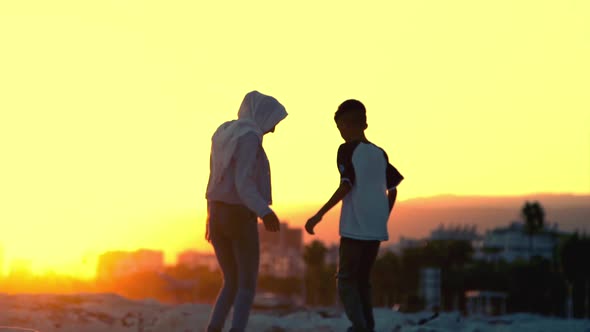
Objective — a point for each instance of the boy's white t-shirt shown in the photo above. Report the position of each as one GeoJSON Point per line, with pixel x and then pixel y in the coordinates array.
{"type": "Point", "coordinates": [365, 209]}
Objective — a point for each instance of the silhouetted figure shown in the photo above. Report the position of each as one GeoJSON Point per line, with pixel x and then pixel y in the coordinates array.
{"type": "Point", "coordinates": [238, 192]}
{"type": "Point", "coordinates": [368, 190]}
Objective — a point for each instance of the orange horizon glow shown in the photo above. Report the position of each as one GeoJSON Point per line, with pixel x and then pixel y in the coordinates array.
{"type": "Point", "coordinates": [107, 109]}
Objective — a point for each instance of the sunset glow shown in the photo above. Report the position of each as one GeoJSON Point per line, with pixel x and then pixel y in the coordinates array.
{"type": "Point", "coordinates": [107, 108]}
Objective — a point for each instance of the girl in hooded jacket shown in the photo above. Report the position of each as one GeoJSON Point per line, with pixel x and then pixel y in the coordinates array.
{"type": "Point", "coordinates": [238, 192]}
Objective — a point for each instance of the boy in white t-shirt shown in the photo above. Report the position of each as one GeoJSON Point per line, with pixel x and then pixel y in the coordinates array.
{"type": "Point", "coordinates": [368, 191]}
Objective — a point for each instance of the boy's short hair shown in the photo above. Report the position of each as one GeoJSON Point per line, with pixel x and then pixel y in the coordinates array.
{"type": "Point", "coordinates": [352, 111]}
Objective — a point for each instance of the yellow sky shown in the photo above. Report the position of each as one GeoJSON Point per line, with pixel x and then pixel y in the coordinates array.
{"type": "Point", "coordinates": [107, 107]}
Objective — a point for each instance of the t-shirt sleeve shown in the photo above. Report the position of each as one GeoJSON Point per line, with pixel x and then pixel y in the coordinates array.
{"type": "Point", "coordinates": [393, 176]}
{"type": "Point", "coordinates": [344, 160]}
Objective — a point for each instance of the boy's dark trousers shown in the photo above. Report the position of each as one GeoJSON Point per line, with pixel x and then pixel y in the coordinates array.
{"type": "Point", "coordinates": [354, 288]}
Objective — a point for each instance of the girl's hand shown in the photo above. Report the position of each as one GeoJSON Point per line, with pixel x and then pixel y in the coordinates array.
{"type": "Point", "coordinates": [271, 222]}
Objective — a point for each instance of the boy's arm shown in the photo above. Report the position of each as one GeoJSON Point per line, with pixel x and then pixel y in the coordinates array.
{"type": "Point", "coordinates": [338, 195]}
{"type": "Point", "coordinates": [393, 178]}
{"type": "Point", "coordinates": [391, 196]}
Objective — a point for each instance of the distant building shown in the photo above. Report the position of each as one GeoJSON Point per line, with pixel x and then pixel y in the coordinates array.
{"type": "Point", "coordinates": [193, 259]}
{"type": "Point", "coordinates": [455, 233]}
{"type": "Point", "coordinates": [1, 262]}
{"type": "Point", "coordinates": [281, 253]}
{"type": "Point", "coordinates": [402, 244]}
{"type": "Point", "coordinates": [20, 269]}
{"type": "Point", "coordinates": [115, 264]}
{"type": "Point", "coordinates": [512, 243]}
{"type": "Point", "coordinates": [332, 255]}
{"type": "Point", "coordinates": [430, 287]}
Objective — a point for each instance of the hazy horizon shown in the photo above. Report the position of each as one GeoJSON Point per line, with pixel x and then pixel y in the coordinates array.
{"type": "Point", "coordinates": [420, 208]}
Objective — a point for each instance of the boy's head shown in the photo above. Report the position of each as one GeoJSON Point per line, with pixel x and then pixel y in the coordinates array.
{"type": "Point", "coordinates": [351, 119]}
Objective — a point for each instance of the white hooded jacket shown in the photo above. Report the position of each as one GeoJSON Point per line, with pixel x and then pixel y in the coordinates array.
{"type": "Point", "coordinates": [237, 157]}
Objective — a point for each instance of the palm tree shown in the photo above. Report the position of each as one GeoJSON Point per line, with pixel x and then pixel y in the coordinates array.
{"type": "Point", "coordinates": [314, 257]}
{"type": "Point", "coordinates": [534, 221]}
{"type": "Point", "coordinates": [386, 279]}
{"type": "Point", "coordinates": [573, 256]}
{"type": "Point", "coordinates": [314, 254]}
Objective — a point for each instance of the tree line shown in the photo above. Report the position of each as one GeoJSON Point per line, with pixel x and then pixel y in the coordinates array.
{"type": "Point", "coordinates": [536, 285]}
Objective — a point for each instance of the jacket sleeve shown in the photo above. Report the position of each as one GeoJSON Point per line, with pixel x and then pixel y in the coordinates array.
{"type": "Point", "coordinates": [245, 158]}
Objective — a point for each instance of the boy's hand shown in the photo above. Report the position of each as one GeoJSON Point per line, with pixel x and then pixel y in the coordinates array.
{"type": "Point", "coordinates": [310, 224]}
{"type": "Point", "coordinates": [271, 222]}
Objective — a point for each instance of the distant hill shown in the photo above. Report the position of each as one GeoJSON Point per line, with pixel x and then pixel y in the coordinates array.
{"type": "Point", "coordinates": [417, 217]}
{"type": "Point", "coordinates": [549, 200]}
